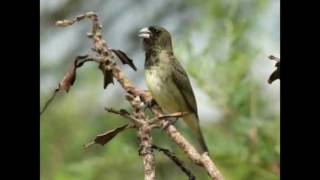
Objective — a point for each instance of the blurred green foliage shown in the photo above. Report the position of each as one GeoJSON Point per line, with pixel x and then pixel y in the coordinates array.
{"type": "Point", "coordinates": [245, 142]}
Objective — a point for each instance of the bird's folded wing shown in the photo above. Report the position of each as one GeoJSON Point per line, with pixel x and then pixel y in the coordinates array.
{"type": "Point", "coordinates": [181, 80]}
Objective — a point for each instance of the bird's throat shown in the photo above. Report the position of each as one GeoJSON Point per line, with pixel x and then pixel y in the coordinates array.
{"type": "Point", "coordinates": [155, 56]}
{"type": "Point", "coordinates": [152, 58]}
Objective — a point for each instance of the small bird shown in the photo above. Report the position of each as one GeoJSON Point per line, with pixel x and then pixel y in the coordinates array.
{"type": "Point", "coordinates": [167, 81]}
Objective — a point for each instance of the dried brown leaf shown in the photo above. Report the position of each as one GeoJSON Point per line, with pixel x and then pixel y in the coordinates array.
{"type": "Point", "coordinates": [104, 138]}
{"type": "Point", "coordinates": [276, 73]}
{"type": "Point", "coordinates": [68, 79]}
{"type": "Point", "coordinates": [124, 58]}
{"type": "Point", "coordinates": [107, 76]}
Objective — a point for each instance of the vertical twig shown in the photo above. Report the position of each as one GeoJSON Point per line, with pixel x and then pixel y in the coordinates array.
{"type": "Point", "coordinates": [144, 135]}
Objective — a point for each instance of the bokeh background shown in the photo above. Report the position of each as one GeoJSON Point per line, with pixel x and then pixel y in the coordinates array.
{"type": "Point", "coordinates": [223, 45]}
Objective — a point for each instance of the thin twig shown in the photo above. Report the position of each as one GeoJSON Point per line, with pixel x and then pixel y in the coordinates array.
{"type": "Point", "coordinates": [162, 117]}
{"type": "Point", "coordinates": [122, 113]}
{"type": "Point", "coordinates": [55, 92]}
{"type": "Point", "coordinates": [177, 161]}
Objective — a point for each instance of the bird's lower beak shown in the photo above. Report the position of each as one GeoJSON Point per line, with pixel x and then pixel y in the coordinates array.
{"type": "Point", "coordinates": [144, 33]}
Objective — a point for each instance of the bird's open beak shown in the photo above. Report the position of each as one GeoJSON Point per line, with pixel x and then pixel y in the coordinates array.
{"type": "Point", "coordinates": [145, 33]}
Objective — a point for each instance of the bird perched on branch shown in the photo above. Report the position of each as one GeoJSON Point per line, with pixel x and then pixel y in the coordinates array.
{"type": "Point", "coordinates": [167, 81]}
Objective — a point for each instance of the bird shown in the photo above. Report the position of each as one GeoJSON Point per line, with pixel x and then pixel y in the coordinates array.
{"type": "Point", "coordinates": [167, 80]}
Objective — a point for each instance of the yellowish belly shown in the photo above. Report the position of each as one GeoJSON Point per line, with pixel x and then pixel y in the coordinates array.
{"type": "Point", "coordinates": [164, 91]}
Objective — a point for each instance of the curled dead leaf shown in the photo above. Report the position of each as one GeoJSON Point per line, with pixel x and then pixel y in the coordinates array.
{"type": "Point", "coordinates": [107, 76]}
{"type": "Point", "coordinates": [104, 138]}
{"type": "Point", "coordinates": [68, 79]}
{"type": "Point", "coordinates": [276, 73]}
{"type": "Point", "coordinates": [124, 58]}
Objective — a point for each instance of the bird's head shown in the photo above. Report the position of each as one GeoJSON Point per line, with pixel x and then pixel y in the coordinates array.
{"type": "Point", "coordinates": [155, 37]}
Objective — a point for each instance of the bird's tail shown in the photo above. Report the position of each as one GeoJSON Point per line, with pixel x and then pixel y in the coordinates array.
{"type": "Point", "coordinates": [203, 145]}
{"type": "Point", "coordinates": [193, 123]}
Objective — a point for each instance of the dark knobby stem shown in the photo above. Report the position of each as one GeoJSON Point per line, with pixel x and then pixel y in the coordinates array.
{"type": "Point", "coordinates": [144, 135]}
{"type": "Point", "coordinates": [177, 161]}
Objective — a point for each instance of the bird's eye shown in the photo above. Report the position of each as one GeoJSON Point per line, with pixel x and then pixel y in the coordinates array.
{"type": "Point", "coordinates": [154, 30]}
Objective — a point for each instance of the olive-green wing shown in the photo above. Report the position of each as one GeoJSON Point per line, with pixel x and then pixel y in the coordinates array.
{"type": "Point", "coordinates": [180, 78]}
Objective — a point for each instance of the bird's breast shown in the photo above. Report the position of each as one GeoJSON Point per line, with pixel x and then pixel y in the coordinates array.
{"type": "Point", "coordinates": [158, 80]}
{"type": "Point", "coordinates": [164, 90]}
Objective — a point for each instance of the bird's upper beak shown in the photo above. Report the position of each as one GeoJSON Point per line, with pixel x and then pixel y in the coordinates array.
{"type": "Point", "coordinates": [145, 33]}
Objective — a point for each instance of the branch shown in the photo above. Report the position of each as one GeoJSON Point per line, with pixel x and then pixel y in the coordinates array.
{"type": "Point", "coordinates": [144, 135]}
{"type": "Point", "coordinates": [177, 161]}
{"type": "Point", "coordinates": [122, 113]}
{"type": "Point", "coordinates": [163, 117]}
